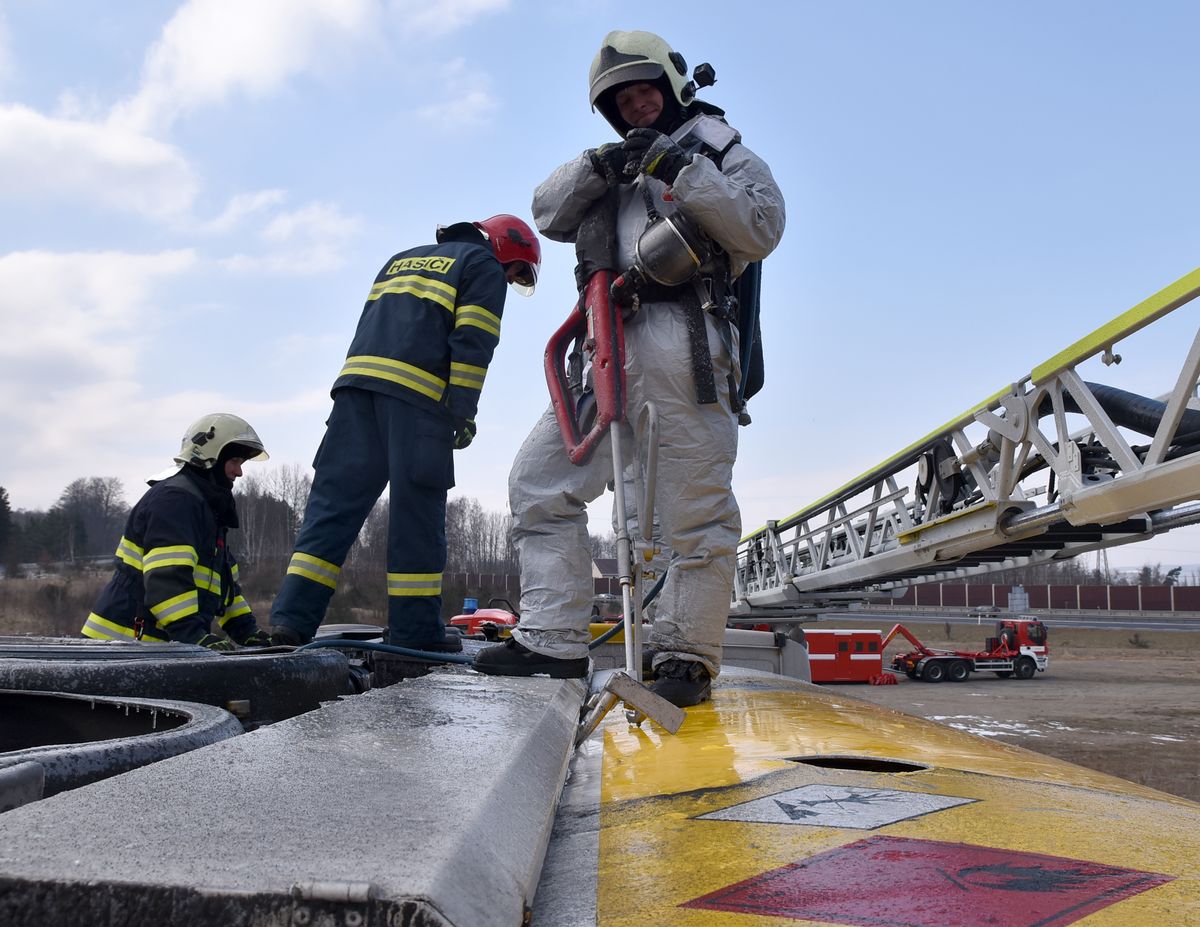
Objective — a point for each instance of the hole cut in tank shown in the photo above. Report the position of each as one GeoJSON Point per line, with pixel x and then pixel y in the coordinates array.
{"type": "Point", "coordinates": [861, 763]}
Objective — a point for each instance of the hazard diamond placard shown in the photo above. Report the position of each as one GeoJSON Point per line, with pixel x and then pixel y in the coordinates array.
{"type": "Point", "coordinates": [889, 882]}
{"type": "Point", "coordinates": [836, 806]}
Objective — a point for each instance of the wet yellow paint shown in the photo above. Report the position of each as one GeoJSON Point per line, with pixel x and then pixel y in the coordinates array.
{"type": "Point", "coordinates": [656, 855]}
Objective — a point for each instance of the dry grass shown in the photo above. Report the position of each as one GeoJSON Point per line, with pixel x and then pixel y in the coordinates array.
{"type": "Point", "coordinates": [52, 607]}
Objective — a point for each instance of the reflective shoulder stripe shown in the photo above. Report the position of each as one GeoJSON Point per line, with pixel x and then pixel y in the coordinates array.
{"type": "Point", "coordinates": [130, 553]}
{"type": "Point", "coordinates": [179, 555]}
{"type": "Point", "coordinates": [176, 607]}
{"type": "Point", "coordinates": [314, 568]}
{"type": "Point", "coordinates": [414, 583]}
{"type": "Point", "coordinates": [385, 368]}
{"type": "Point", "coordinates": [467, 375]}
{"type": "Point", "coordinates": [414, 285]}
{"type": "Point", "coordinates": [479, 317]}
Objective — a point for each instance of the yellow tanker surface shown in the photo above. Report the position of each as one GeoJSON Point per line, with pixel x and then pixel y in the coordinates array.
{"type": "Point", "coordinates": [781, 803]}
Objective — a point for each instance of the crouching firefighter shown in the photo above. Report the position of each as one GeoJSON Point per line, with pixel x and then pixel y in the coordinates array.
{"type": "Point", "coordinates": [680, 173]}
{"type": "Point", "coordinates": [175, 573]}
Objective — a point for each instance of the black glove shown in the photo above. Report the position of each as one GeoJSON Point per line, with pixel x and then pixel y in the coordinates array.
{"type": "Point", "coordinates": [651, 152]}
{"type": "Point", "coordinates": [212, 642]}
{"type": "Point", "coordinates": [464, 433]}
{"type": "Point", "coordinates": [256, 638]}
{"type": "Point", "coordinates": [609, 162]}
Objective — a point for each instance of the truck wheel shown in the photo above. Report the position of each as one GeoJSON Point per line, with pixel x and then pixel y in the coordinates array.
{"type": "Point", "coordinates": [1025, 668]}
{"type": "Point", "coordinates": [934, 671]}
{"type": "Point", "coordinates": [958, 671]}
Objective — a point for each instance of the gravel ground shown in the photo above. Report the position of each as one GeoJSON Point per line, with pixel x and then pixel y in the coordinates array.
{"type": "Point", "coordinates": [1132, 713]}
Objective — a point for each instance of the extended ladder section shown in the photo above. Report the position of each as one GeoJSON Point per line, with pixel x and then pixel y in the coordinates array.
{"type": "Point", "coordinates": [1049, 468]}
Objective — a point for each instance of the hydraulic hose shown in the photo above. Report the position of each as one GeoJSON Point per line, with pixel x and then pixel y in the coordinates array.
{"type": "Point", "coordinates": [1129, 410]}
{"type": "Point", "coordinates": [612, 632]}
{"type": "Point", "coordinates": [429, 656]}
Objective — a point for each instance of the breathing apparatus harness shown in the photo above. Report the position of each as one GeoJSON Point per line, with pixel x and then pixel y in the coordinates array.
{"type": "Point", "coordinates": [676, 262]}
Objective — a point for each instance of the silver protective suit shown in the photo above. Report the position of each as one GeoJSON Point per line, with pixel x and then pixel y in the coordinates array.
{"type": "Point", "coordinates": [740, 206]}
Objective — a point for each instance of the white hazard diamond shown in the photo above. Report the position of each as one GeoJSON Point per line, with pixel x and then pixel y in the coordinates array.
{"type": "Point", "coordinates": [836, 806]}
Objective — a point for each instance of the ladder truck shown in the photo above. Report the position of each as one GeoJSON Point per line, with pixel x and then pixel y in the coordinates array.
{"type": "Point", "coordinates": [1019, 649]}
{"type": "Point", "coordinates": [1059, 463]}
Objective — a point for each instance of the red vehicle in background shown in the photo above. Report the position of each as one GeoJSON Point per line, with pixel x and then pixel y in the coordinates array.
{"type": "Point", "coordinates": [1019, 649]}
{"type": "Point", "coordinates": [490, 623]}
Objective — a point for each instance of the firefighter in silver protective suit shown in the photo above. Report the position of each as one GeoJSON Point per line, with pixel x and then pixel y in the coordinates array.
{"type": "Point", "coordinates": [678, 159]}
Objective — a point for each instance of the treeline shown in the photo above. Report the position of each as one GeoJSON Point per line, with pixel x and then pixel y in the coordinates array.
{"type": "Point", "coordinates": [1082, 571]}
{"type": "Point", "coordinates": [86, 522]}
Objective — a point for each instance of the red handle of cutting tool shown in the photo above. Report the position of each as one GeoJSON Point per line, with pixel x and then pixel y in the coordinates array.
{"type": "Point", "coordinates": [595, 317]}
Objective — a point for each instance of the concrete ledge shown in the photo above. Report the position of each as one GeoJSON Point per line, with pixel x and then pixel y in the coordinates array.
{"type": "Point", "coordinates": [426, 803]}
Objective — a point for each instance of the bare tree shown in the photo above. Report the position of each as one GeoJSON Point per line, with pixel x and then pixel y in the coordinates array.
{"type": "Point", "coordinates": [94, 512]}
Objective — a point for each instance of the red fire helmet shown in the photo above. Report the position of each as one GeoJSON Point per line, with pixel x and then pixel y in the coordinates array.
{"type": "Point", "coordinates": [513, 240]}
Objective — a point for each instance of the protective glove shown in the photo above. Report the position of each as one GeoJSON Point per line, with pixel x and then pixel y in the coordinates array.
{"type": "Point", "coordinates": [464, 433]}
{"type": "Point", "coordinates": [256, 638]}
{"type": "Point", "coordinates": [212, 642]}
{"type": "Point", "coordinates": [651, 152]}
{"type": "Point", "coordinates": [609, 162]}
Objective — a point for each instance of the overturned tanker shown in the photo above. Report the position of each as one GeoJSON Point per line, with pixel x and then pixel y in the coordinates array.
{"type": "Point", "coordinates": [51, 742]}
{"type": "Point", "coordinates": [259, 687]}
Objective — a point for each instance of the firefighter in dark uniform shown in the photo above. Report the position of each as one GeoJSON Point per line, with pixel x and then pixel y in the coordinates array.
{"type": "Point", "coordinates": [405, 399]}
{"type": "Point", "coordinates": [174, 571]}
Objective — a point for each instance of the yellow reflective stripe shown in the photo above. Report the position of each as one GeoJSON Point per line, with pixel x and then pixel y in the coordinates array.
{"type": "Point", "coordinates": [434, 290]}
{"type": "Point", "coordinates": [207, 580]}
{"type": "Point", "coordinates": [479, 317]}
{"type": "Point", "coordinates": [176, 607]}
{"type": "Point", "coordinates": [179, 555]}
{"type": "Point", "coordinates": [467, 375]}
{"type": "Point", "coordinates": [102, 629]}
{"type": "Point", "coordinates": [130, 553]}
{"type": "Point", "coordinates": [314, 568]}
{"type": "Point", "coordinates": [234, 572]}
{"type": "Point", "coordinates": [414, 583]}
{"type": "Point", "coordinates": [240, 607]}
{"type": "Point", "coordinates": [384, 368]}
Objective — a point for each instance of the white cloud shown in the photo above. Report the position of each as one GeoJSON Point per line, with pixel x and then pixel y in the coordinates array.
{"type": "Point", "coordinates": [440, 18]}
{"type": "Point", "coordinates": [243, 205]}
{"type": "Point", "coordinates": [212, 49]}
{"type": "Point", "coordinates": [66, 159]}
{"type": "Point", "coordinates": [75, 327]}
{"type": "Point", "coordinates": [305, 241]}
{"type": "Point", "coordinates": [468, 99]}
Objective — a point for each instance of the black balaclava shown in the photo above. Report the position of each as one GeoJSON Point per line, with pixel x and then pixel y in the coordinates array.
{"type": "Point", "coordinates": [671, 117]}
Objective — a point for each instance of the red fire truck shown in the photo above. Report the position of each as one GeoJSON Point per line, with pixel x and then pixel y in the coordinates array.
{"type": "Point", "coordinates": [1019, 649]}
{"type": "Point", "coordinates": [843, 656]}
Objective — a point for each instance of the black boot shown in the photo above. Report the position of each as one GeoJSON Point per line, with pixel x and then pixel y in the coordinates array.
{"type": "Point", "coordinates": [451, 642]}
{"type": "Point", "coordinates": [682, 682]}
{"type": "Point", "coordinates": [512, 659]}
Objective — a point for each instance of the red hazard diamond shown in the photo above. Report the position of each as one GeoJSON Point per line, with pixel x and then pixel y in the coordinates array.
{"type": "Point", "coordinates": [897, 882]}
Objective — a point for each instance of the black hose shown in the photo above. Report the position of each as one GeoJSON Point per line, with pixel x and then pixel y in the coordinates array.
{"type": "Point", "coordinates": [1129, 410]}
{"type": "Point", "coordinates": [612, 632]}
{"type": "Point", "coordinates": [428, 656]}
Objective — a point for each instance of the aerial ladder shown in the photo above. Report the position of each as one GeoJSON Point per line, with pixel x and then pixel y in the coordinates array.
{"type": "Point", "coordinates": [1047, 468]}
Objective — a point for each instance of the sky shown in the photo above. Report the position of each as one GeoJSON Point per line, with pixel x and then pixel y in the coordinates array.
{"type": "Point", "coordinates": [196, 197]}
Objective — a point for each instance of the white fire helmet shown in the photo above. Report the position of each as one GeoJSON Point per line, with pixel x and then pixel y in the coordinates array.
{"type": "Point", "coordinates": [208, 436]}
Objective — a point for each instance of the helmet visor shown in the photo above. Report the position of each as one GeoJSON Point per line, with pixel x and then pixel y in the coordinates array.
{"type": "Point", "coordinates": [522, 275]}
